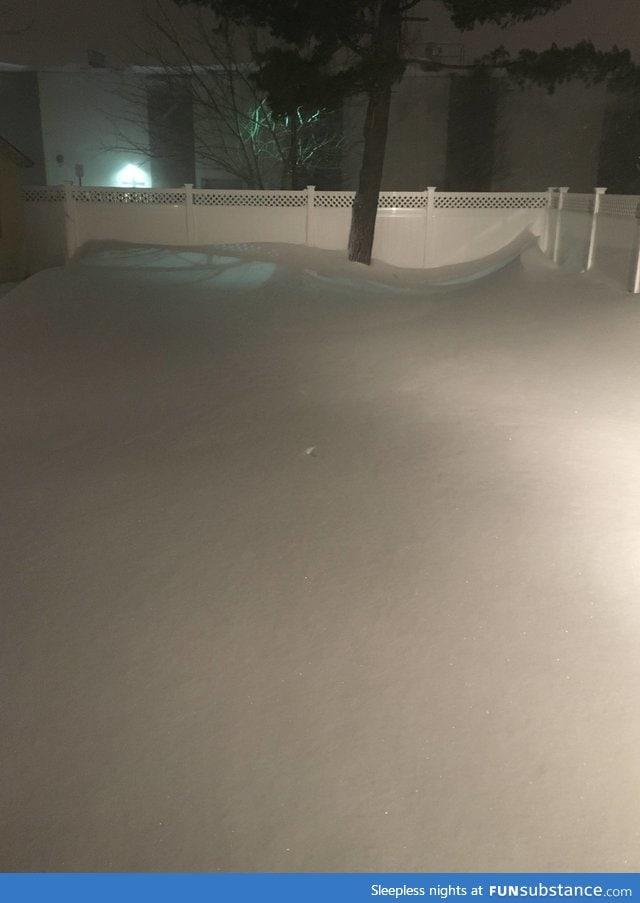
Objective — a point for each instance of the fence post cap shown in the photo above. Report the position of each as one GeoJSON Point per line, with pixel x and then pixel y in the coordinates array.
{"type": "Point", "coordinates": [599, 190]}
{"type": "Point", "coordinates": [564, 189]}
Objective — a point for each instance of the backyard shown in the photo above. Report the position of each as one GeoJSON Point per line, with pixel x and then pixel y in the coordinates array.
{"type": "Point", "coordinates": [314, 567]}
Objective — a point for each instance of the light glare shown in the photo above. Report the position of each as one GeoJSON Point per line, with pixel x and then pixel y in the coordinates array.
{"type": "Point", "coordinates": [132, 176]}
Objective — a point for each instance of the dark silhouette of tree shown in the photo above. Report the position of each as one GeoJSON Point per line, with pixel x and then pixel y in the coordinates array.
{"type": "Point", "coordinates": [336, 48]}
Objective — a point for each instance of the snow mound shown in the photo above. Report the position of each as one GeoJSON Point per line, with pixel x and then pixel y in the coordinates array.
{"type": "Point", "coordinates": [250, 265]}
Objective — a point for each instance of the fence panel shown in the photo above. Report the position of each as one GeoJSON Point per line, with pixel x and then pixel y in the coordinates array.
{"type": "Point", "coordinates": [463, 226]}
{"type": "Point", "coordinates": [400, 237]}
{"type": "Point", "coordinates": [413, 229]}
{"type": "Point", "coordinates": [471, 225]}
{"type": "Point", "coordinates": [236, 216]}
{"type": "Point", "coordinates": [575, 229]}
{"type": "Point", "coordinates": [329, 229]}
{"type": "Point", "coordinates": [45, 221]}
{"type": "Point", "coordinates": [462, 235]}
{"type": "Point", "coordinates": [617, 238]}
{"type": "Point", "coordinates": [141, 216]}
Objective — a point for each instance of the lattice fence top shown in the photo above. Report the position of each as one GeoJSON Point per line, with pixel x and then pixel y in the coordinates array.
{"type": "Point", "coordinates": [129, 195]}
{"type": "Point", "coordinates": [403, 200]}
{"type": "Point", "coordinates": [580, 203]}
{"type": "Point", "coordinates": [620, 205]}
{"type": "Point", "coordinates": [490, 200]}
{"type": "Point", "coordinates": [44, 193]}
{"type": "Point", "coordinates": [248, 198]}
{"type": "Point", "coordinates": [387, 200]}
{"type": "Point", "coordinates": [202, 197]}
{"type": "Point", "coordinates": [333, 199]}
{"type": "Point", "coordinates": [407, 200]}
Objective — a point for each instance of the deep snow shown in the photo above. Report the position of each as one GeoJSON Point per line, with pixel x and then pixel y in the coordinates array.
{"type": "Point", "coordinates": [309, 567]}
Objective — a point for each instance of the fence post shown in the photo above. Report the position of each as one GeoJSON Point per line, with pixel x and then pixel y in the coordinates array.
{"type": "Point", "coordinates": [556, 243]}
{"type": "Point", "coordinates": [635, 275]}
{"type": "Point", "coordinates": [310, 208]}
{"type": "Point", "coordinates": [594, 227]}
{"type": "Point", "coordinates": [429, 224]}
{"type": "Point", "coordinates": [546, 243]}
{"type": "Point", "coordinates": [190, 226]}
{"type": "Point", "coordinates": [70, 222]}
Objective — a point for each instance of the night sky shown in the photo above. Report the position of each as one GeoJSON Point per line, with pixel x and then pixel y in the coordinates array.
{"type": "Point", "coordinates": [63, 30]}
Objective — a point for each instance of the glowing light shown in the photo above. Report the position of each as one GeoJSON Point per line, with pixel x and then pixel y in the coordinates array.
{"type": "Point", "coordinates": [132, 176]}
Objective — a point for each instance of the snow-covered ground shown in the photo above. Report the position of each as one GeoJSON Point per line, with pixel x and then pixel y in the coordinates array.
{"type": "Point", "coordinates": [309, 567]}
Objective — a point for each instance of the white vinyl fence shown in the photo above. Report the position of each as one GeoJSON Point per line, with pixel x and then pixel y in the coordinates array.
{"type": "Point", "coordinates": [597, 232]}
{"type": "Point", "coordinates": [414, 228]}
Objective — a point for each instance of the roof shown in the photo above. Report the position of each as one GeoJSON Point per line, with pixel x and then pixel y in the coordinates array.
{"type": "Point", "coordinates": [9, 152]}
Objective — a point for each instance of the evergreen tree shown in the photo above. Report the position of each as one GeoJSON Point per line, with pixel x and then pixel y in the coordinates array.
{"type": "Point", "coordinates": [335, 48]}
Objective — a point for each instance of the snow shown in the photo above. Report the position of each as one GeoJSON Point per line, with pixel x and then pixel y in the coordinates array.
{"type": "Point", "coordinates": [314, 567]}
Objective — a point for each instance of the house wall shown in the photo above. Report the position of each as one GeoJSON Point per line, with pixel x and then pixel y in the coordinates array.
{"type": "Point", "coordinates": [416, 151]}
{"type": "Point", "coordinates": [467, 133]}
{"type": "Point", "coordinates": [619, 163]}
{"type": "Point", "coordinates": [472, 128]}
{"type": "Point", "coordinates": [446, 131]}
{"type": "Point", "coordinates": [549, 139]}
{"type": "Point", "coordinates": [87, 115]}
{"type": "Point", "coordinates": [353, 123]}
{"type": "Point", "coordinates": [171, 137]}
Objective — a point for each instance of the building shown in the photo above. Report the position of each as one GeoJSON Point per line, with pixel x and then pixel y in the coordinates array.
{"type": "Point", "coordinates": [136, 126]}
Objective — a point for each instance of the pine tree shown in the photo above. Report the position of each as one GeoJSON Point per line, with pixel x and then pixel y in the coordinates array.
{"type": "Point", "coordinates": [336, 48]}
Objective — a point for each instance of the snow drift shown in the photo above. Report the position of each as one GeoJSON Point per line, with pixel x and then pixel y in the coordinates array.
{"type": "Point", "coordinates": [305, 575]}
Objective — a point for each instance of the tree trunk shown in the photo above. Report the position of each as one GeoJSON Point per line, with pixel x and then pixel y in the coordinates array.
{"type": "Point", "coordinates": [386, 56]}
{"type": "Point", "coordinates": [365, 204]}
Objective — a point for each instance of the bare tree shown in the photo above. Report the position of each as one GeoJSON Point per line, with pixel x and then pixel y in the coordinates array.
{"type": "Point", "coordinates": [197, 62]}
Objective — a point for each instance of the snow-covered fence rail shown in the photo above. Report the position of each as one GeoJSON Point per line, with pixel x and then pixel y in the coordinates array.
{"type": "Point", "coordinates": [414, 228]}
